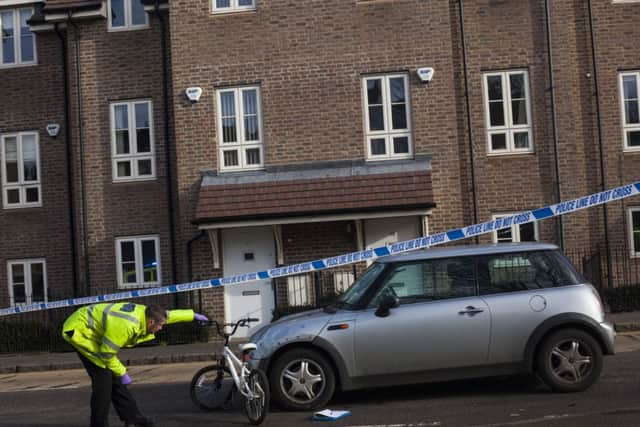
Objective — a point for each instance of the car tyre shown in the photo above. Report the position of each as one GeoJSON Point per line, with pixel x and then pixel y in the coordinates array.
{"type": "Point", "coordinates": [569, 360]}
{"type": "Point", "coordinates": [302, 379]}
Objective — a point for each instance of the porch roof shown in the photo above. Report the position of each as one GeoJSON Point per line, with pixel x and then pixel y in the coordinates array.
{"type": "Point", "coordinates": [320, 189]}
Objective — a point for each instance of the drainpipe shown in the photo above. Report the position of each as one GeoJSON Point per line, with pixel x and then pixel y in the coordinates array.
{"type": "Point", "coordinates": [190, 264]}
{"type": "Point", "coordinates": [83, 192]}
{"type": "Point", "coordinates": [67, 127]}
{"type": "Point", "coordinates": [468, 103]}
{"type": "Point", "coordinates": [167, 150]}
{"type": "Point", "coordinates": [559, 224]}
{"type": "Point", "coordinates": [600, 145]}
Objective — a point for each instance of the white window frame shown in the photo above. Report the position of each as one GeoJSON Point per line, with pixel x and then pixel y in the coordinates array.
{"type": "Point", "coordinates": [128, 16]}
{"type": "Point", "coordinates": [515, 229]}
{"type": "Point", "coordinates": [28, 284]}
{"type": "Point", "coordinates": [240, 145]}
{"type": "Point", "coordinates": [627, 127]}
{"type": "Point", "coordinates": [388, 133]}
{"type": "Point", "coordinates": [234, 6]}
{"type": "Point", "coordinates": [133, 156]}
{"type": "Point", "coordinates": [634, 252]}
{"type": "Point", "coordinates": [22, 185]}
{"type": "Point", "coordinates": [509, 128]}
{"type": "Point", "coordinates": [17, 40]}
{"type": "Point", "coordinates": [137, 241]}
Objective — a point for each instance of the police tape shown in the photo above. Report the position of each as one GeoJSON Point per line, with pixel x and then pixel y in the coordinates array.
{"type": "Point", "coordinates": [561, 208]}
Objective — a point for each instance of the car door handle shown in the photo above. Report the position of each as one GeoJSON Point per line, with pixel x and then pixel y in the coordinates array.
{"type": "Point", "coordinates": [470, 310]}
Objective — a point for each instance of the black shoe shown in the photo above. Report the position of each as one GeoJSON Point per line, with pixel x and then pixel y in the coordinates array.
{"type": "Point", "coordinates": [140, 421]}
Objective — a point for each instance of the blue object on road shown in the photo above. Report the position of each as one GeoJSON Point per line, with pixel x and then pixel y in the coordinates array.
{"type": "Point", "coordinates": [329, 415]}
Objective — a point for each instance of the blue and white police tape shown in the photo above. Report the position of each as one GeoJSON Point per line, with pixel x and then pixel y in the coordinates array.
{"type": "Point", "coordinates": [562, 208]}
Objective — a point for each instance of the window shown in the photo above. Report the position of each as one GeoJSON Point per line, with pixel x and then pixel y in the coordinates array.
{"type": "Point", "coordinates": [240, 129]}
{"type": "Point", "coordinates": [629, 83]}
{"type": "Point", "coordinates": [220, 6]}
{"type": "Point", "coordinates": [138, 261]}
{"type": "Point", "coordinates": [20, 170]}
{"type": "Point", "coordinates": [132, 141]}
{"type": "Point", "coordinates": [27, 281]}
{"type": "Point", "coordinates": [429, 280]}
{"type": "Point", "coordinates": [514, 272]}
{"type": "Point", "coordinates": [634, 231]}
{"type": "Point", "coordinates": [18, 45]}
{"type": "Point", "coordinates": [388, 123]}
{"type": "Point", "coordinates": [516, 233]}
{"type": "Point", "coordinates": [508, 112]}
{"type": "Point", "coordinates": [127, 15]}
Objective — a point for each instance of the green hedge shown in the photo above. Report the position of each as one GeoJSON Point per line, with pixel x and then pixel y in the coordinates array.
{"type": "Point", "coordinates": [624, 298]}
{"type": "Point", "coordinates": [20, 337]}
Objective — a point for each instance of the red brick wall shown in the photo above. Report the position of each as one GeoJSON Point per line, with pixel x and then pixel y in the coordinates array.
{"type": "Point", "coordinates": [32, 97]}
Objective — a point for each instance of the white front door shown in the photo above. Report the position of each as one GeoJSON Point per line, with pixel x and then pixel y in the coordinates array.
{"type": "Point", "coordinates": [248, 250]}
{"type": "Point", "coordinates": [385, 231]}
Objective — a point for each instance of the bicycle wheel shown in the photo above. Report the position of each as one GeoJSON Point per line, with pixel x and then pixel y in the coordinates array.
{"type": "Point", "coordinates": [211, 388]}
{"type": "Point", "coordinates": [257, 407]}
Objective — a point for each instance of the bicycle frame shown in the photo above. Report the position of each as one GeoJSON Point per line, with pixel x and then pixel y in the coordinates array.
{"type": "Point", "coordinates": [239, 378]}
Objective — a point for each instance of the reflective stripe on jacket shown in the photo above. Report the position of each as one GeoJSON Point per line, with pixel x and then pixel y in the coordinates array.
{"type": "Point", "coordinates": [99, 331]}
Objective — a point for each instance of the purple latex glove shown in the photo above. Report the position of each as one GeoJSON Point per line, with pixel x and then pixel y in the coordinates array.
{"type": "Point", "coordinates": [200, 317]}
{"type": "Point", "coordinates": [125, 379]}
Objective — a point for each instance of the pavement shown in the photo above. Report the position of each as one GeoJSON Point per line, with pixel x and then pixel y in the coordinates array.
{"type": "Point", "coordinates": [626, 323]}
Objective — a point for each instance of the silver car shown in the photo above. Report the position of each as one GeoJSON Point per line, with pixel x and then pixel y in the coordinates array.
{"type": "Point", "coordinates": [442, 314]}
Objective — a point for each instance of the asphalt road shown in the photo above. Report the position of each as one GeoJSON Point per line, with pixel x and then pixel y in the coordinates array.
{"type": "Point", "coordinates": [61, 398]}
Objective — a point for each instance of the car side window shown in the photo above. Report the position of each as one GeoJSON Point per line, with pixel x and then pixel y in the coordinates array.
{"type": "Point", "coordinates": [515, 272]}
{"type": "Point", "coordinates": [429, 280]}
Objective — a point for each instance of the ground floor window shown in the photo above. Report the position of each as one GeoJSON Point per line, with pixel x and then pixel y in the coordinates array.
{"type": "Point", "coordinates": [516, 233]}
{"type": "Point", "coordinates": [634, 231]}
{"type": "Point", "coordinates": [27, 281]}
{"type": "Point", "coordinates": [138, 261]}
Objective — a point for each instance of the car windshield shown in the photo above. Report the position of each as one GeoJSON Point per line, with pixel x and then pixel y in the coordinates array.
{"type": "Point", "coordinates": [360, 286]}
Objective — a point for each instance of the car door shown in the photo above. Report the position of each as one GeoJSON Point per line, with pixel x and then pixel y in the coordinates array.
{"type": "Point", "coordinates": [440, 322]}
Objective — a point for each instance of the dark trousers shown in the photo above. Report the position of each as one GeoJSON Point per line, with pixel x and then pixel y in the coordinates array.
{"type": "Point", "coordinates": [105, 388]}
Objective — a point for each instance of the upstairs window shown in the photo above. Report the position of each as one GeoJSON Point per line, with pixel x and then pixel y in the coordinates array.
{"type": "Point", "coordinates": [132, 141]}
{"type": "Point", "coordinates": [516, 233]}
{"type": "Point", "coordinates": [127, 15]}
{"type": "Point", "coordinates": [20, 170]}
{"type": "Point", "coordinates": [27, 281]}
{"type": "Point", "coordinates": [388, 123]}
{"type": "Point", "coordinates": [222, 6]}
{"type": "Point", "coordinates": [508, 112]}
{"type": "Point", "coordinates": [18, 44]}
{"type": "Point", "coordinates": [138, 261]}
{"type": "Point", "coordinates": [240, 129]}
{"type": "Point", "coordinates": [629, 84]}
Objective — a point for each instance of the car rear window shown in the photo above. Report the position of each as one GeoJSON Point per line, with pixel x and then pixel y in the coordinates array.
{"type": "Point", "coordinates": [523, 271]}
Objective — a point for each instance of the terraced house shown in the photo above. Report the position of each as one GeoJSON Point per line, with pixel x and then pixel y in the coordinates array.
{"type": "Point", "coordinates": [308, 132]}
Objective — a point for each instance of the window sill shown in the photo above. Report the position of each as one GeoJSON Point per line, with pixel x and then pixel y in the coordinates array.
{"type": "Point", "coordinates": [135, 286]}
{"type": "Point", "coordinates": [232, 12]}
{"type": "Point", "coordinates": [20, 207]}
{"type": "Point", "coordinates": [387, 159]}
{"type": "Point", "coordinates": [511, 153]}
{"type": "Point", "coordinates": [21, 65]}
{"type": "Point", "coordinates": [631, 150]}
{"type": "Point", "coordinates": [121, 29]}
{"type": "Point", "coordinates": [133, 180]}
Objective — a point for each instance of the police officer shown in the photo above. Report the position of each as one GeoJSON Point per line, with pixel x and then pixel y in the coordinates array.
{"type": "Point", "coordinates": [97, 332]}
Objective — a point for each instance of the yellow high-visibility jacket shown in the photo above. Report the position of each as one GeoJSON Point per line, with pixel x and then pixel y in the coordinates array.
{"type": "Point", "coordinates": [98, 331]}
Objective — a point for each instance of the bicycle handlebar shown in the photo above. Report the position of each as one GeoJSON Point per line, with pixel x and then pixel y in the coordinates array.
{"type": "Point", "coordinates": [220, 326]}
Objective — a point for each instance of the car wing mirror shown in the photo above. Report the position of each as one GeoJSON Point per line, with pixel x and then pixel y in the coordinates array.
{"type": "Point", "coordinates": [387, 303]}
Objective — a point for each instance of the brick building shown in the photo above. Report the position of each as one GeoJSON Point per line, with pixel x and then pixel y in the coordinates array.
{"type": "Point", "coordinates": [312, 134]}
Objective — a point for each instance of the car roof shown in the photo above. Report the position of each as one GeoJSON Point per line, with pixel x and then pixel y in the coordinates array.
{"type": "Point", "coordinates": [467, 250]}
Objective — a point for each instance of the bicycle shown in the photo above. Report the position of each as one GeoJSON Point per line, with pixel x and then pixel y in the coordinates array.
{"type": "Point", "coordinates": [216, 386]}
